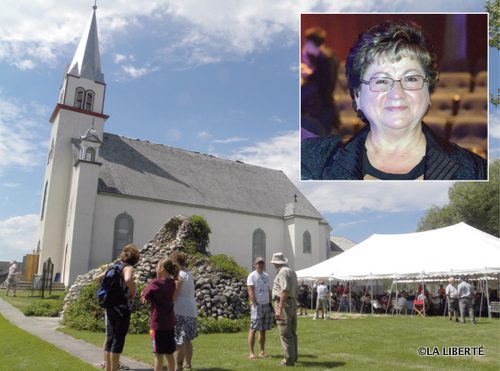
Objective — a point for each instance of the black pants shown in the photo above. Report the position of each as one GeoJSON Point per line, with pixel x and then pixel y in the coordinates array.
{"type": "Point", "coordinates": [117, 323]}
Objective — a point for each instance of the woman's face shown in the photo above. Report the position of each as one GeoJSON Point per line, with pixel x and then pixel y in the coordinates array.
{"type": "Point", "coordinates": [396, 108]}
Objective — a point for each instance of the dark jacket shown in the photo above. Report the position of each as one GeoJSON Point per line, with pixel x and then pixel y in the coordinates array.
{"type": "Point", "coordinates": [326, 158]}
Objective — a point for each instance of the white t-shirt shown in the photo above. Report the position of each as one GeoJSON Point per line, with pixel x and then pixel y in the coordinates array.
{"type": "Point", "coordinates": [322, 291]}
{"type": "Point", "coordinates": [402, 302]}
{"type": "Point", "coordinates": [185, 303]}
{"type": "Point", "coordinates": [260, 283]}
{"type": "Point", "coordinates": [452, 291]}
{"type": "Point", "coordinates": [12, 269]}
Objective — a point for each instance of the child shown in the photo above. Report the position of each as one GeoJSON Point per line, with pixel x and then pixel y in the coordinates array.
{"type": "Point", "coordinates": [160, 293]}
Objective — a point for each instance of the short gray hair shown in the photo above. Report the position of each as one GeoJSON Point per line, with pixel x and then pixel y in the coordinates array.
{"type": "Point", "coordinates": [391, 40]}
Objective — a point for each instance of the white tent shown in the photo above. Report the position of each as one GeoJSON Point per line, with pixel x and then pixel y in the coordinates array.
{"type": "Point", "coordinates": [454, 250]}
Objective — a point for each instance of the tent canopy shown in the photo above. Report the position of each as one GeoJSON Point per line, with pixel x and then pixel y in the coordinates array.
{"type": "Point", "coordinates": [454, 250]}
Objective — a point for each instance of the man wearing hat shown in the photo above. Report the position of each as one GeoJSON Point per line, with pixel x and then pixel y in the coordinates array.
{"type": "Point", "coordinates": [261, 311]}
{"type": "Point", "coordinates": [452, 298]}
{"type": "Point", "coordinates": [285, 290]}
{"type": "Point", "coordinates": [465, 295]}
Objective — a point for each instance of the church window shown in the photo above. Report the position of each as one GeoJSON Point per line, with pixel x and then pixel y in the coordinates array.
{"type": "Point", "coordinates": [90, 154]}
{"type": "Point", "coordinates": [43, 201]}
{"type": "Point", "coordinates": [89, 100]}
{"type": "Point", "coordinates": [123, 234]}
{"type": "Point", "coordinates": [51, 152]}
{"type": "Point", "coordinates": [306, 242]}
{"type": "Point", "coordinates": [258, 244]}
{"type": "Point", "coordinates": [79, 98]}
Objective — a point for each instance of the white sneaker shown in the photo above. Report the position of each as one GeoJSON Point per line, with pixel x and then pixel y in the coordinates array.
{"type": "Point", "coordinates": [315, 317]}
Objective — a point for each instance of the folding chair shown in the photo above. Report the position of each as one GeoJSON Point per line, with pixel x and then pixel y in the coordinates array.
{"type": "Point", "coordinates": [419, 307]}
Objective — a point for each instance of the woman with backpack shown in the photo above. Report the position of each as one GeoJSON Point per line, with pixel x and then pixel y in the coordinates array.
{"type": "Point", "coordinates": [118, 311]}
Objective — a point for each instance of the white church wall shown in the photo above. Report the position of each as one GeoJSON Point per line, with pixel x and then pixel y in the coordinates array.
{"type": "Point", "coordinates": [231, 231]}
{"type": "Point", "coordinates": [318, 252]}
{"type": "Point", "coordinates": [80, 221]}
{"type": "Point", "coordinates": [52, 229]}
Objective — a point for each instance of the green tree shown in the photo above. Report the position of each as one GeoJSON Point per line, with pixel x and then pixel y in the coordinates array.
{"type": "Point", "coordinates": [493, 7]}
{"type": "Point", "coordinates": [474, 203]}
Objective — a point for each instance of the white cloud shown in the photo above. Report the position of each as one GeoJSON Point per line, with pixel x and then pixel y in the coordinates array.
{"type": "Point", "coordinates": [230, 140]}
{"type": "Point", "coordinates": [494, 131]}
{"type": "Point", "coordinates": [17, 236]}
{"type": "Point", "coordinates": [132, 72]}
{"type": "Point", "coordinates": [278, 120]}
{"type": "Point", "coordinates": [282, 153]}
{"type": "Point", "coordinates": [20, 135]}
{"type": "Point", "coordinates": [10, 185]}
{"type": "Point", "coordinates": [119, 58]}
{"type": "Point", "coordinates": [25, 64]}
{"type": "Point", "coordinates": [205, 32]}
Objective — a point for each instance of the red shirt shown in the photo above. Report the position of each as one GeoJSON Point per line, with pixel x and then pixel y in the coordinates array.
{"type": "Point", "coordinates": [160, 293]}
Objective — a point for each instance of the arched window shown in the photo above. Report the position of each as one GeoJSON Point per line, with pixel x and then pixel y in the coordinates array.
{"type": "Point", "coordinates": [89, 100]}
{"type": "Point", "coordinates": [79, 95]}
{"type": "Point", "coordinates": [306, 242]}
{"type": "Point", "coordinates": [258, 244]}
{"type": "Point", "coordinates": [124, 233]}
{"type": "Point", "coordinates": [43, 200]}
{"type": "Point", "coordinates": [90, 154]}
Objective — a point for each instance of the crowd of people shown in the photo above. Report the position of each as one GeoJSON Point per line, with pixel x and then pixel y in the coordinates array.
{"type": "Point", "coordinates": [339, 297]}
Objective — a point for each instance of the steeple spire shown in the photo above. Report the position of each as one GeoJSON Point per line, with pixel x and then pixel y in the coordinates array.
{"type": "Point", "coordinates": [87, 62]}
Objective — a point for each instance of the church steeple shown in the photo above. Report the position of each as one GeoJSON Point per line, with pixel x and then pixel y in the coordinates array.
{"type": "Point", "coordinates": [87, 62]}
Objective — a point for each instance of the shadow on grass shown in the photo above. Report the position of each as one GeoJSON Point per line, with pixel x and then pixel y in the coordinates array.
{"type": "Point", "coordinates": [323, 365]}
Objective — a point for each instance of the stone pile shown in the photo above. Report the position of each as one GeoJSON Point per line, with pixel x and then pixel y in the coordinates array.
{"type": "Point", "coordinates": [218, 294]}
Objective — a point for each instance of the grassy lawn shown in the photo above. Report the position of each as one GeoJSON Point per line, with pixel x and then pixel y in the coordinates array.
{"type": "Point", "coordinates": [23, 298]}
{"type": "Point", "coordinates": [22, 351]}
{"type": "Point", "coordinates": [375, 342]}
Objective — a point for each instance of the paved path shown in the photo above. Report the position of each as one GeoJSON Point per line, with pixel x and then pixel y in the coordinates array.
{"type": "Point", "coordinates": [45, 328]}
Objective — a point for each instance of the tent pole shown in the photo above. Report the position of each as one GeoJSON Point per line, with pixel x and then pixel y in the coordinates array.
{"type": "Point", "coordinates": [389, 300]}
{"type": "Point", "coordinates": [445, 305]}
{"type": "Point", "coordinates": [329, 299]}
{"type": "Point", "coordinates": [371, 292]}
{"type": "Point", "coordinates": [487, 296]}
{"type": "Point", "coordinates": [350, 297]}
{"type": "Point", "coordinates": [363, 302]}
{"type": "Point", "coordinates": [396, 296]}
{"type": "Point", "coordinates": [481, 286]}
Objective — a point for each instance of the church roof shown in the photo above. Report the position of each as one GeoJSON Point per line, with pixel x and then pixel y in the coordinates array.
{"type": "Point", "coordinates": [153, 171]}
{"type": "Point", "coordinates": [340, 244]}
{"type": "Point", "coordinates": [87, 61]}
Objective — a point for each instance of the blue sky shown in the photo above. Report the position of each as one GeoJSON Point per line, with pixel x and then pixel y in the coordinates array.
{"type": "Point", "coordinates": [218, 77]}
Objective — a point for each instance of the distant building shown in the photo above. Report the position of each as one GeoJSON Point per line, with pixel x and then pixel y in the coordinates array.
{"type": "Point", "coordinates": [102, 190]}
{"type": "Point", "coordinates": [338, 245]}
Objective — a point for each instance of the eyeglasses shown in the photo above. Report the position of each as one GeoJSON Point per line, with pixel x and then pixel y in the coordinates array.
{"type": "Point", "coordinates": [379, 84]}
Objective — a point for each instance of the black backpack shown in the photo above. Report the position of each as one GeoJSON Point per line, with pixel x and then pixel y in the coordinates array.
{"type": "Point", "coordinates": [112, 291]}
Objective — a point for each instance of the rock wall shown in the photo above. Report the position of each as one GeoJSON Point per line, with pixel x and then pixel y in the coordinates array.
{"type": "Point", "coordinates": [218, 294]}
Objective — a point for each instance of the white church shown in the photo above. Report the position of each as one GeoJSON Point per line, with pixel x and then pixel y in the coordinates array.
{"type": "Point", "coordinates": [102, 190]}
